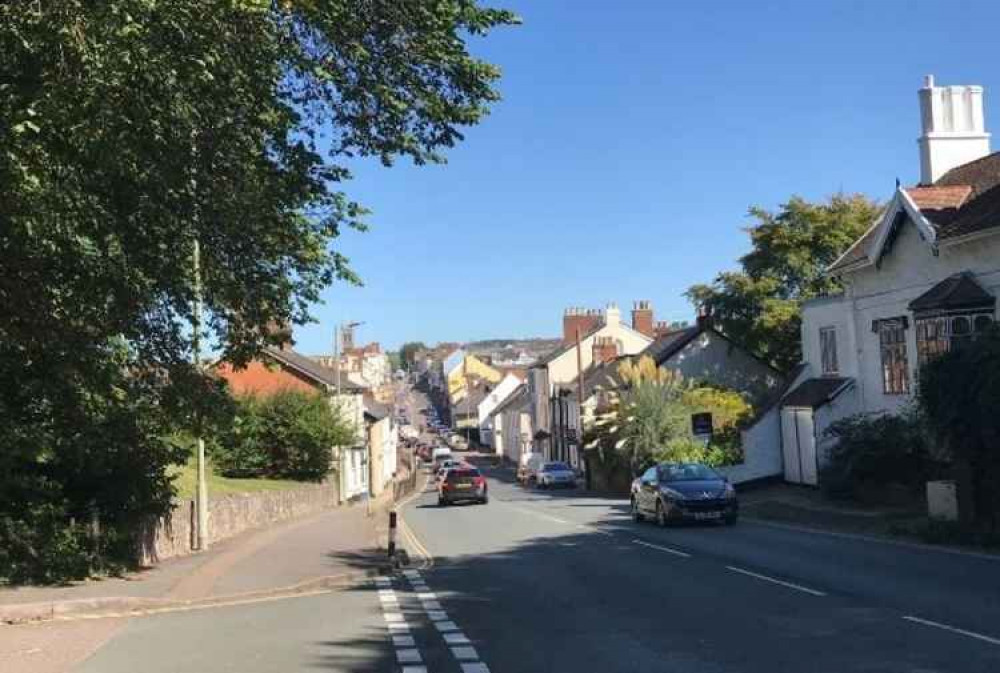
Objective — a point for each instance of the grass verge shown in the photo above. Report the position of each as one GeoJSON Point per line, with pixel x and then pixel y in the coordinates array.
{"type": "Point", "coordinates": [186, 481]}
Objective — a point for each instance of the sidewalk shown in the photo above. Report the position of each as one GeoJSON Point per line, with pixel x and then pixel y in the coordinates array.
{"type": "Point", "coordinates": [319, 551]}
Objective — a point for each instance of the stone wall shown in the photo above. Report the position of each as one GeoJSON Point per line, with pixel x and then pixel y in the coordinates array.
{"type": "Point", "coordinates": [230, 515]}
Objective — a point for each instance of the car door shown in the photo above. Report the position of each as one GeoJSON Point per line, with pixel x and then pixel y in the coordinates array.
{"type": "Point", "coordinates": [647, 490]}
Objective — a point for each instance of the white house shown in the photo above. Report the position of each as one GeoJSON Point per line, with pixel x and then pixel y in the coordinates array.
{"type": "Point", "coordinates": [922, 280]}
{"type": "Point", "coordinates": [586, 337]}
{"type": "Point", "coordinates": [512, 428]}
{"type": "Point", "coordinates": [508, 384]}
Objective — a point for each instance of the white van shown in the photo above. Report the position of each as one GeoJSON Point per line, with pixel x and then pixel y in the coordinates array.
{"type": "Point", "coordinates": [528, 466]}
{"type": "Point", "coordinates": [439, 455]}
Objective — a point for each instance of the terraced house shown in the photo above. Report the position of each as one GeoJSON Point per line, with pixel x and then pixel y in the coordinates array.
{"type": "Point", "coordinates": [922, 280]}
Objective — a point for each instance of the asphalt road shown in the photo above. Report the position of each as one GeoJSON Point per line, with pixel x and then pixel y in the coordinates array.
{"type": "Point", "coordinates": [540, 581]}
{"type": "Point", "coordinates": [544, 581]}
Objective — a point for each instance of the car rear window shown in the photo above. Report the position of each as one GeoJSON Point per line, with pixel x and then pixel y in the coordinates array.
{"type": "Point", "coordinates": [462, 473]}
{"type": "Point", "coordinates": [555, 467]}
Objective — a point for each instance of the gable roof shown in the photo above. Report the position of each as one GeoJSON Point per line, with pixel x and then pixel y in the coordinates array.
{"type": "Point", "coordinates": [963, 201]}
{"type": "Point", "coordinates": [517, 395]}
{"type": "Point", "coordinates": [311, 369]}
{"type": "Point", "coordinates": [670, 344]}
{"type": "Point", "coordinates": [954, 292]}
{"type": "Point", "coordinates": [562, 350]}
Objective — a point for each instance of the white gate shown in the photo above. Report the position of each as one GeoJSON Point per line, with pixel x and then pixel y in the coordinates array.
{"type": "Point", "coordinates": [798, 442]}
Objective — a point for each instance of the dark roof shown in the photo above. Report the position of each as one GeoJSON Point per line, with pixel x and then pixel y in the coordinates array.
{"type": "Point", "coordinates": [814, 393]}
{"type": "Point", "coordinates": [670, 344]}
{"type": "Point", "coordinates": [310, 368]}
{"type": "Point", "coordinates": [604, 375]}
{"type": "Point", "coordinates": [955, 292]}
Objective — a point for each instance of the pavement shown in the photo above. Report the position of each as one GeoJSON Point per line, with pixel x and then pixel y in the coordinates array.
{"type": "Point", "coordinates": [304, 557]}
{"type": "Point", "coordinates": [566, 581]}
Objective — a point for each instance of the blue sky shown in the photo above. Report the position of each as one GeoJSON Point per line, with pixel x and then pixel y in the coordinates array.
{"type": "Point", "coordinates": [631, 140]}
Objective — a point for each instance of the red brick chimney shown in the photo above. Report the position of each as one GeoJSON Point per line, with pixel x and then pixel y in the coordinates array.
{"type": "Point", "coordinates": [662, 328]}
{"type": "Point", "coordinates": [584, 320]}
{"type": "Point", "coordinates": [605, 349]}
{"type": "Point", "coordinates": [642, 317]}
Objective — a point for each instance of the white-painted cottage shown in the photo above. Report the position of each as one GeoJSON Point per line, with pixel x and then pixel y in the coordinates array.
{"type": "Point", "coordinates": [922, 280]}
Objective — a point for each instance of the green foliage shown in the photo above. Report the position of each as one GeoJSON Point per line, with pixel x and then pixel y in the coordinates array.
{"type": "Point", "coordinates": [408, 352]}
{"type": "Point", "coordinates": [650, 420]}
{"type": "Point", "coordinates": [133, 129]}
{"type": "Point", "coordinates": [288, 435]}
{"type": "Point", "coordinates": [878, 450]}
{"type": "Point", "coordinates": [760, 305]}
{"type": "Point", "coordinates": [959, 393]}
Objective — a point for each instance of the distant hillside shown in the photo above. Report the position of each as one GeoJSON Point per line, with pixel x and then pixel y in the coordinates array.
{"type": "Point", "coordinates": [514, 351]}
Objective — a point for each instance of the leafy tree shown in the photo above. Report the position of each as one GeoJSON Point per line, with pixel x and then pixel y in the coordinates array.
{"type": "Point", "coordinates": [649, 419]}
{"type": "Point", "coordinates": [959, 394]}
{"type": "Point", "coordinates": [132, 130]}
{"type": "Point", "coordinates": [760, 305]}
{"type": "Point", "coordinates": [408, 352]}
{"type": "Point", "coordinates": [289, 434]}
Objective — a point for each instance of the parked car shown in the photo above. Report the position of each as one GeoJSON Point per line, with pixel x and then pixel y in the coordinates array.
{"type": "Point", "coordinates": [463, 482]}
{"type": "Point", "coordinates": [683, 492]}
{"type": "Point", "coordinates": [555, 474]}
{"type": "Point", "coordinates": [528, 466]}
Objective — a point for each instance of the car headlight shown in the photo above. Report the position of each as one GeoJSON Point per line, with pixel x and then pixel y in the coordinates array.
{"type": "Point", "coordinates": [671, 493]}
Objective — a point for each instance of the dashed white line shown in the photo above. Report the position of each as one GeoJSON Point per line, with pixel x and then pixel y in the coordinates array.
{"type": "Point", "coordinates": [675, 552]}
{"type": "Point", "coordinates": [476, 667]}
{"type": "Point", "coordinates": [465, 653]}
{"type": "Point", "coordinates": [408, 656]}
{"type": "Point", "coordinates": [456, 638]}
{"type": "Point", "coordinates": [446, 626]}
{"type": "Point", "coordinates": [953, 629]}
{"type": "Point", "coordinates": [437, 615]}
{"type": "Point", "coordinates": [773, 580]}
{"type": "Point", "coordinates": [403, 641]}
{"type": "Point", "coordinates": [414, 669]}
{"type": "Point", "coordinates": [431, 605]}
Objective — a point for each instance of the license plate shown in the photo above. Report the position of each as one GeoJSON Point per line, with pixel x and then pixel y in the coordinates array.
{"type": "Point", "coordinates": [463, 486]}
{"type": "Point", "coordinates": [708, 515]}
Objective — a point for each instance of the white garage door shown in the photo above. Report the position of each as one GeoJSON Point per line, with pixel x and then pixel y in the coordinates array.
{"type": "Point", "coordinates": [798, 441]}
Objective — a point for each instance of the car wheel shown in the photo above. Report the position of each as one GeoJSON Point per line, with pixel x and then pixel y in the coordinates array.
{"type": "Point", "coordinates": [661, 515]}
{"type": "Point", "coordinates": [441, 502]}
{"type": "Point", "coordinates": [636, 514]}
{"type": "Point", "coordinates": [484, 500]}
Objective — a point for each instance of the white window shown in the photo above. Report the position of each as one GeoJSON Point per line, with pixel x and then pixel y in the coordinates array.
{"type": "Point", "coordinates": [828, 350]}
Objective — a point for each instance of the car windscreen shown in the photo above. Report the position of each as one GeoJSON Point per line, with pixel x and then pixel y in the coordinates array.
{"type": "Point", "coordinates": [555, 467]}
{"type": "Point", "coordinates": [687, 472]}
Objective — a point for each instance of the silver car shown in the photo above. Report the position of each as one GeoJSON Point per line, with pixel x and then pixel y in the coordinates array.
{"type": "Point", "coordinates": [556, 474]}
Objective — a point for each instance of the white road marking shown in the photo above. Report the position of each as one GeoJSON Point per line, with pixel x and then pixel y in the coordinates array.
{"type": "Point", "coordinates": [477, 667]}
{"type": "Point", "coordinates": [427, 596]}
{"type": "Point", "coordinates": [431, 605]}
{"type": "Point", "coordinates": [403, 641]}
{"type": "Point", "coordinates": [408, 656]}
{"type": "Point", "coordinates": [437, 615]}
{"type": "Point", "coordinates": [675, 552]}
{"type": "Point", "coordinates": [797, 587]}
{"type": "Point", "coordinates": [456, 638]}
{"type": "Point", "coordinates": [939, 625]}
{"type": "Point", "coordinates": [464, 653]}
{"type": "Point", "coordinates": [398, 626]}
{"type": "Point", "coordinates": [388, 599]}
{"type": "Point", "coordinates": [446, 626]}
{"type": "Point", "coordinates": [394, 617]}
{"type": "Point", "coordinates": [383, 582]}
{"type": "Point", "coordinates": [594, 529]}
{"type": "Point", "coordinates": [414, 669]}
{"type": "Point", "coordinates": [411, 573]}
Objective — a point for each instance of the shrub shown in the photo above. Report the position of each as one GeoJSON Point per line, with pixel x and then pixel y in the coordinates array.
{"type": "Point", "coordinates": [877, 449]}
{"type": "Point", "coordinates": [960, 393]}
{"type": "Point", "coordinates": [288, 435]}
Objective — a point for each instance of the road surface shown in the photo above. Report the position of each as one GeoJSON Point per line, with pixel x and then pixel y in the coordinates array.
{"type": "Point", "coordinates": [540, 581]}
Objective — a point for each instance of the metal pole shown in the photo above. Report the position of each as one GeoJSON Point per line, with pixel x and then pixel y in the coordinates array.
{"type": "Point", "coordinates": [201, 503]}
{"type": "Point", "coordinates": [579, 405]}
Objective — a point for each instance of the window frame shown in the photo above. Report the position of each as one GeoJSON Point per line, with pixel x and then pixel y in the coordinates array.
{"type": "Point", "coordinates": [893, 357]}
{"type": "Point", "coordinates": [828, 347]}
{"type": "Point", "coordinates": [945, 338]}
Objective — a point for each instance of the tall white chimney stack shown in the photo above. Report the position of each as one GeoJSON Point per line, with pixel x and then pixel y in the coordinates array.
{"type": "Point", "coordinates": [952, 128]}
